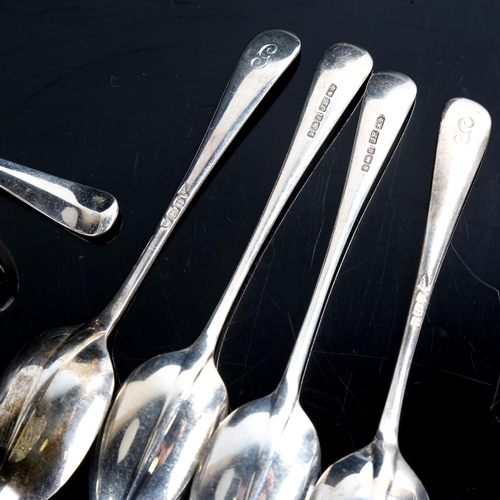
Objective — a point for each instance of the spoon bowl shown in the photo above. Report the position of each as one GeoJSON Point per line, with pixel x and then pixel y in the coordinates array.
{"type": "Point", "coordinates": [49, 404]}
{"type": "Point", "coordinates": [155, 422]}
{"type": "Point", "coordinates": [375, 471]}
{"type": "Point", "coordinates": [261, 450]}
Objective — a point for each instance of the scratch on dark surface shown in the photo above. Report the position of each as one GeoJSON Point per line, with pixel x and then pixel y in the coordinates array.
{"type": "Point", "coordinates": [167, 131]}
{"type": "Point", "coordinates": [475, 275]}
{"type": "Point", "coordinates": [486, 227]}
{"type": "Point", "coordinates": [356, 400]}
{"type": "Point", "coordinates": [347, 391]}
{"type": "Point", "coordinates": [291, 326]}
{"type": "Point", "coordinates": [426, 30]}
{"type": "Point", "coordinates": [391, 226]}
{"type": "Point", "coordinates": [467, 235]}
{"type": "Point", "coordinates": [259, 306]}
{"type": "Point", "coordinates": [136, 162]}
{"type": "Point", "coordinates": [482, 382]}
{"type": "Point", "coordinates": [472, 357]}
{"type": "Point", "coordinates": [72, 72]}
{"type": "Point", "coordinates": [258, 309]}
{"type": "Point", "coordinates": [495, 400]}
{"type": "Point", "coordinates": [346, 385]}
{"type": "Point", "coordinates": [323, 202]}
{"type": "Point", "coordinates": [247, 372]}
{"type": "Point", "coordinates": [372, 267]}
{"type": "Point", "coordinates": [356, 355]}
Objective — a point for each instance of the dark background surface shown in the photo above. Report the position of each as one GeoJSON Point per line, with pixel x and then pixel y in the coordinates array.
{"type": "Point", "coordinates": [118, 95]}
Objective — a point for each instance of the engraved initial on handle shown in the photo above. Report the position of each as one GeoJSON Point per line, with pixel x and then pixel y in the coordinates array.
{"type": "Point", "coordinates": [263, 55]}
{"type": "Point", "coordinates": [464, 125]}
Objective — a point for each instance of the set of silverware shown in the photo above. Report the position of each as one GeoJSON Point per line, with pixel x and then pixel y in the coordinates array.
{"type": "Point", "coordinates": [168, 422]}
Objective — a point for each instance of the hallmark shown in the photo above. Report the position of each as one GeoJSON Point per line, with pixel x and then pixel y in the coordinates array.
{"type": "Point", "coordinates": [373, 139]}
{"type": "Point", "coordinates": [331, 90]}
{"type": "Point", "coordinates": [380, 122]}
{"type": "Point", "coordinates": [420, 303]}
{"type": "Point", "coordinates": [318, 117]}
{"type": "Point", "coordinates": [263, 55]}
{"type": "Point", "coordinates": [175, 208]}
{"type": "Point", "coordinates": [324, 104]}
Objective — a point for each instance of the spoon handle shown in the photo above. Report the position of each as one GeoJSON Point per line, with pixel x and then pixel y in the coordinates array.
{"type": "Point", "coordinates": [463, 136]}
{"type": "Point", "coordinates": [340, 74]}
{"type": "Point", "coordinates": [264, 60]}
{"type": "Point", "coordinates": [82, 209]}
{"type": "Point", "coordinates": [388, 100]}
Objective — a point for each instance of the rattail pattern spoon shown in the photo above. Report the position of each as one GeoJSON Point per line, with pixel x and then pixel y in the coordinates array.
{"type": "Point", "coordinates": [82, 209]}
{"type": "Point", "coordinates": [269, 448]}
{"type": "Point", "coordinates": [379, 471]}
{"type": "Point", "coordinates": [168, 408]}
{"type": "Point", "coordinates": [55, 395]}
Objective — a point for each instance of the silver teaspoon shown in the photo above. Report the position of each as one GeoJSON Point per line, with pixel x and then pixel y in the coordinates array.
{"type": "Point", "coordinates": [379, 471]}
{"type": "Point", "coordinates": [54, 396]}
{"type": "Point", "coordinates": [269, 448]}
{"type": "Point", "coordinates": [168, 408]}
{"type": "Point", "coordinates": [82, 209]}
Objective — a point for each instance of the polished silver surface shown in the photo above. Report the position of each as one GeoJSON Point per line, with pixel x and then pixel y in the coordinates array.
{"type": "Point", "coordinates": [167, 409]}
{"type": "Point", "coordinates": [82, 209]}
{"type": "Point", "coordinates": [54, 396]}
{"type": "Point", "coordinates": [379, 471]}
{"type": "Point", "coordinates": [269, 448]}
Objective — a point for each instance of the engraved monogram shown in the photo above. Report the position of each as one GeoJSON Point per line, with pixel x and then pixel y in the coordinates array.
{"type": "Point", "coordinates": [175, 208]}
{"type": "Point", "coordinates": [263, 55]}
{"type": "Point", "coordinates": [420, 303]}
{"type": "Point", "coordinates": [373, 139]}
{"type": "Point", "coordinates": [323, 105]}
{"type": "Point", "coordinates": [464, 125]}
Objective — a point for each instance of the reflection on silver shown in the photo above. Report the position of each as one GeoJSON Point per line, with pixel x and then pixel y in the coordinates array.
{"type": "Point", "coordinates": [82, 209]}
{"type": "Point", "coordinates": [269, 449]}
{"type": "Point", "coordinates": [179, 398]}
{"type": "Point", "coordinates": [379, 471]}
{"type": "Point", "coordinates": [54, 396]}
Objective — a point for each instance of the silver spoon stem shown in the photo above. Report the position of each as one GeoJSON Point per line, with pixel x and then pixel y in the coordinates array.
{"type": "Point", "coordinates": [82, 209]}
{"type": "Point", "coordinates": [387, 103]}
{"type": "Point", "coordinates": [463, 136]}
{"type": "Point", "coordinates": [340, 74]}
{"type": "Point", "coordinates": [263, 61]}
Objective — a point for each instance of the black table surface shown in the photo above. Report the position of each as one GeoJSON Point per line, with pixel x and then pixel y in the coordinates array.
{"type": "Point", "coordinates": [118, 94]}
